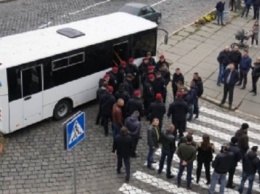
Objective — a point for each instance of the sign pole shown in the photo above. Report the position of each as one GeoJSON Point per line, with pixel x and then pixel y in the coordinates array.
{"type": "Point", "coordinates": [75, 172]}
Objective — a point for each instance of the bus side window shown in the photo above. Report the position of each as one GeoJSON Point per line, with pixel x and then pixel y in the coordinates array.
{"type": "Point", "coordinates": [14, 83]}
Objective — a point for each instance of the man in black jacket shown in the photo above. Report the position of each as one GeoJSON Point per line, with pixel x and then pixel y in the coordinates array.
{"type": "Point", "coordinates": [176, 78]}
{"type": "Point", "coordinates": [135, 104]}
{"type": "Point", "coordinates": [221, 165]}
{"type": "Point", "coordinates": [178, 110]}
{"type": "Point", "coordinates": [133, 70]}
{"type": "Point", "coordinates": [153, 141]}
{"type": "Point", "coordinates": [168, 149]}
{"type": "Point", "coordinates": [236, 157]}
{"type": "Point", "coordinates": [156, 110]}
{"type": "Point", "coordinates": [134, 127]}
{"type": "Point", "coordinates": [235, 57]}
{"type": "Point", "coordinates": [243, 139]}
{"type": "Point", "coordinates": [148, 92]}
{"type": "Point", "coordinates": [231, 77]}
{"type": "Point", "coordinates": [250, 165]}
{"type": "Point", "coordinates": [161, 62]}
{"type": "Point", "coordinates": [199, 84]}
{"type": "Point", "coordinates": [159, 84]}
{"type": "Point", "coordinates": [107, 101]}
{"type": "Point", "coordinates": [223, 60]}
{"type": "Point", "coordinates": [123, 147]}
{"type": "Point", "coordinates": [114, 76]}
{"type": "Point", "coordinates": [167, 78]}
{"type": "Point", "coordinates": [128, 84]}
{"type": "Point", "coordinates": [100, 92]}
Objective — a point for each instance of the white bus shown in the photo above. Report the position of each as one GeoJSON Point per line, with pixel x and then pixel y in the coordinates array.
{"type": "Point", "coordinates": [47, 72]}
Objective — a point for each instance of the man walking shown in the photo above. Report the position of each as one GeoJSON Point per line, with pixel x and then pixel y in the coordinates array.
{"type": "Point", "coordinates": [152, 139]}
{"type": "Point", "coordinates": [242, 137]}
{"type": "Point", "coordinates": [245, 66]}
{"type": "Point", "coordinates": [221, 165]}
{"type": "Point", "coordinates": [178, 110]}
{"type": "Point", "coordinates": [134, 127]}
{"type": "Point", "coordinates": [123, 146]}
{"type": "Point", "coordinates": [224, 60]}
{"type": "Point", "coordinates": [230, 79]}
{"type": "Point", "coordinates": [250, 166]}
{"type": "Point", "coordinates": [168, 149]}
{"type": "Point", "coordinates": [187, 154]}
{"type": "Point", "coordinates": [236, 157]}
{"type": "Point", "coordinates": [117, 116]}
{"type": "Point", "coordinates": [198, 82]}
{"type": "Point", "coordinates": [220, 9]}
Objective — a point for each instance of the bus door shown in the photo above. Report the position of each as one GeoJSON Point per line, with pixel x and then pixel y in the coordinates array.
{"type": "Point", "coordinates": [120, 52]}
{"type": "Point", "coordinates": [32, 85]}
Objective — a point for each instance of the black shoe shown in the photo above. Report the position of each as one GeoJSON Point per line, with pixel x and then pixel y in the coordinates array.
{"type": "Point", "coordinates": [197, 116]}
{"type": "Point", "coordinates": [118, 171]}
{"type": "Point", "coordinates": [254, 94]}
{"type": "Point", "coordinates": [221, 104]}
{"type": "Point", "coordinates": [251, 91]}
{"type": "Point", "coordinates": [153, 162]}
{"type": "Point", "coordinates": [159, 172]}
{"type": "Point", "coordinates": [170, 176]}
{"type": "Point", "coordinates": [208, 183]}
{"type": "Point", "coordinates": [230, 107]}
{"type": "Point", "coordinates": [231, 186]}
{"type": "Point", "coordinates": [244, 87]}
{"type": "Point", "coordinates": [134, 155]}
{"type": "Point", "coordinates": [239, 84]}
{"type": "Point", "coordinates": [127, 179]}
{"type": "Point", "coordinates": [150, 167]}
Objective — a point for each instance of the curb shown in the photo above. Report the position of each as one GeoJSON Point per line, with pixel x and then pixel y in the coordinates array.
{"type": "Point", "coordinates": [6, 1]}
{"type": "Point", "coordinates": [217, 102]}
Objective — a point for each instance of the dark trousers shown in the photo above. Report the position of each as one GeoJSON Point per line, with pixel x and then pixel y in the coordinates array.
{"type": "Point", "coordinates": [231, 173]}
{"type": "Point", "coordinates": [105, 121]}
{"type": "Point", "coordinates": [174, 91]}
{"type": "Point", "coordinates": [254, 83]}
{"type": "Point", "coordinates": [243, 77]}
{"type": "Point", "coordinates": [254, 37]}
{"type": "Point", "coordinates": [220, 17]}
{"type": "Point", "coordinates": [98, 117]}
{"type": "Point", "coordinates": [246, 10]}
{"type": "Point", "coordinates": [207, 170]}
{"type": "Point", "coordinates": [169, 156]}
{"type": "Point", "coordinates": [126, 163]}
{"type": "Point", "coordinates": [196, 107]}
{"type": "Point", "coordinates": [116, 129]}
{"type": "Point", "coordinates": [150, 157]}
{"type": "Point", "coordinates": [232, 5]}
{"type": "Point", "coordinates": [134, 145]}
{"type": "Point", "coordinates": [164, 96]}
{"type": "Point", "coordinates": [256, 12]}
{"type": "Point", "coordinates": [147, 102]}
{"type": "Point", "coordinates": [228, 90]}
{"type": "Point", "coordinates": [180, 125]}
{"type": "Point", "coordinates": [189, 171]}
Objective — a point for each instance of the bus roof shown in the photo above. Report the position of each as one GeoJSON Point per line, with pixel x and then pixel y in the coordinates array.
{"type": "Point", "coordinates": [39, 44]}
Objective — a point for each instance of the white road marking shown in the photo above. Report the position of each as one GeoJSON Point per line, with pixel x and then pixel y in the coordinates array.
{"type": "Point", "coordinates": [160, 184]}
{"type": "Point", "coordinates": [214, 133]}
{"type": "Point", "coordinates": [226, 126]}
{"type": "Point", "coordinates": [129, 189]}
{"type": "Point", "coordinates": [45, 25]}
{"type": "Point", "coordinates": [157, 3]}
{"type": "Point", "coordinates": [88, 7]}
{"type": "Point", "coordinates": [229, 117]}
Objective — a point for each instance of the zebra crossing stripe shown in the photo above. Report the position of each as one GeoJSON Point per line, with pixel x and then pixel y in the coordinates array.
{"type": "Point", "coordinates": [236, 178]}
{"type": "Point", "coordinates": [129, 189]}
{"type": "Point", "coordinates": [226, 126]}
{"type": "Point", "coordinates": [204, 186]}
{"type": "Point", "coordinates": [214, 133]}
{"type": "Point", "coordinates": [160, 184]}
{"type": "Point", "coordinates": [229, 117]}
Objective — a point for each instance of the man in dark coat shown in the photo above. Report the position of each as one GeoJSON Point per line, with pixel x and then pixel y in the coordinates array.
{"type": "Point", "coordinates": [123, 147]}
{"type": "Point", "coordinates": [236, 157]}
{"type": "Point", "coordinates": [168, 149]}
{"type": "Point", "coordinates": [107, 101]}
{"type": "Point", "coordinates": [235, 57]}
{"type": "Point", "coordinates": [250, 167]}
{"type": "Point", "coordinates": [114, 76]}
{"type": "Point", "coordinates": [148, 92]}
{"type": "Point", "coordinates": [153, 141]}
{"type": "Point", "coordinates": [199, 84]}
{"type": "Point", "coordinates": [135, 104]}
{"type": "Point", "coordinates": [100, 92]}
{"type": "Point", "coordinates": [159, 84]}
{"type": "Point", "coordinates": [128, 84]}
{"type": "Point", "coordinates": [230, 79]}
{"type": "Point", "coordinates": [223, 60]}
{"type": "Point", "coordinates": [134, 127]}
{"type": "Point", "coordinates": [132, 69]}
{"type": "Point", "coordinates": [157, 109]}
{"type": "Point", "coordinates": [244, 68]}
{"type": "Point", "coordinates": [178, 110]}
{"type": "Point", "coordinates": [143, 69]}
{"type": "Point", "coordinates": [167, 78]}
{"type": "Point", "coordinates": [243, 140]}
{"type": "Point", "coordinates": [122, 72]}
{"type": "Point", "coordinates": [176, 78]}
{"type": "Point", "coordinates": [161, 62]}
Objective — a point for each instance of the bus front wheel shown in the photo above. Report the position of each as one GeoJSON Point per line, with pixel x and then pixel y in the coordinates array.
{"type": "Point", "coordinates": [62, 109]}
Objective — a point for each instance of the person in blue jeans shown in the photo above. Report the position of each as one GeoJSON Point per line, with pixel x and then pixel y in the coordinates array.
{"type": "Point", "coordinates": [223, 60]}
{"type": "Point", "coordinates": [220, 9]}
{"type": "Point", "coordinates": [221, 165]}
{"type": "Point", "coordinates": [187, 154]}
{"type": "Point", "coordinates": [247, 6]}
{"type": "Point", "coordinates": [251, 164]}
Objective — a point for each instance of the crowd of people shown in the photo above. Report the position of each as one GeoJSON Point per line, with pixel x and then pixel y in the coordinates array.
{"type": "Point", "coordinates": [128, 93]}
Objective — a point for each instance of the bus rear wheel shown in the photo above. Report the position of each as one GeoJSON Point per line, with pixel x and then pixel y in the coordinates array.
{"type": "Point", "coordinates": [62, 109]}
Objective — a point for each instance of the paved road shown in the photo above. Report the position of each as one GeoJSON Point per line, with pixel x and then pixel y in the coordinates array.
{"type": "Point", "coordinates": [23, 15]}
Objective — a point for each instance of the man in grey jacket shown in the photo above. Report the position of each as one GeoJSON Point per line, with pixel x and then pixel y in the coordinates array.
{"type": "Point", "coordinates": [153, 141]}
{"type": "Point", "coordinates": [168, 149]}
{"type": "Point", "coordinates": [134, 127]}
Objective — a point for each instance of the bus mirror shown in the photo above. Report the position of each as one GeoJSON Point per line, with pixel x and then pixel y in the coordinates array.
{"type": "Point", "coordinates": [166, 39]}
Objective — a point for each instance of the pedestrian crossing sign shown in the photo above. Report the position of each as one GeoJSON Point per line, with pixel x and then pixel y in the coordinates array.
{"type": "Point", "coordinates": [75, 130]}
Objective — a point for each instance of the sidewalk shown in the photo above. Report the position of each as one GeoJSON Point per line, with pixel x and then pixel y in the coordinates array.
{"type": "Point", "coordinates": [195, 49]}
